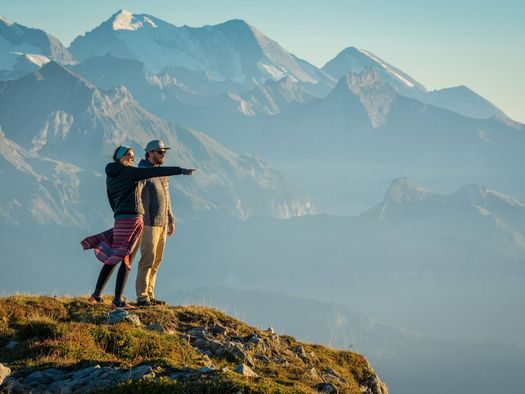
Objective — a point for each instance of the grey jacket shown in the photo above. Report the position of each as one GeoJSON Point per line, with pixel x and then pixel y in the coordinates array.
{"type": "Point", "coordinates": [156, 199]}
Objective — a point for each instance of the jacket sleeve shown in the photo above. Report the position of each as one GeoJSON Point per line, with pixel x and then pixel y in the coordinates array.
{"type": "Point", "coordinates": [138, 174]}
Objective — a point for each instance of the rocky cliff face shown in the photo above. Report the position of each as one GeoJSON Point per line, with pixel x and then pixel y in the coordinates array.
{"type": "Point", "coordinates": [65, 345]}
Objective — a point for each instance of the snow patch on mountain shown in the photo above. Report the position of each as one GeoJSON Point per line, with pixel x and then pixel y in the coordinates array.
{"type": "Point", "coordinates": [272, 70]}
{"type": "Point", "coordinates": [38, 60]}
{"type": "Point", "coordinates": [230, 51]}
{"type": "Point", "coordinates": [5, 21]}
{"type": "Point", "coordinates": [125, 20]}
{"type": "Point", "coordinates": [16, 155]}
{"type": "Point", "coordinates": [387, 67]}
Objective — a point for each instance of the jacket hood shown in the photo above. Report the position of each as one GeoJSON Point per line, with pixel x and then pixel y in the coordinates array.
{"type": "Point", "coordinates": [114, 169]}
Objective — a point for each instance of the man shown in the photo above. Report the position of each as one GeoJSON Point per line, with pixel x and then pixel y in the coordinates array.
{"type": "Point", "coordinates": [159, 222]}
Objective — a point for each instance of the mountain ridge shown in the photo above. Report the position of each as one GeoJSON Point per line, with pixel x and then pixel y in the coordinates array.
{"type": "Point", "coordinates": [460, 99]}
{"type": "Point", "coordinates": [237, 52]}
{"type": "Point", "coordinates": [73, 121]}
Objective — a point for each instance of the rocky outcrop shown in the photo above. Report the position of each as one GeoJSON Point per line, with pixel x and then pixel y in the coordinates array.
{"type": "Point", "coordinates": [216, 348]}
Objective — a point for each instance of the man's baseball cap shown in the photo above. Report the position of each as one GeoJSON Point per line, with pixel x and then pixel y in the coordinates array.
{"type": "Point", "coordinates": [156, 145]}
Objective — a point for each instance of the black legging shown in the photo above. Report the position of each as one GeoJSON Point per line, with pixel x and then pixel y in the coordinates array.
{"type": "Point", "coordinates": [105, 273]}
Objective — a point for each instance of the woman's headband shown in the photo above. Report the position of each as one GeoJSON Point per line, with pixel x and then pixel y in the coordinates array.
{"type": "Point", "coordinates": [122, 151]}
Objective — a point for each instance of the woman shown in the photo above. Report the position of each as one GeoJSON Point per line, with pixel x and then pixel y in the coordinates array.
{"type": "Point", "coordinates": [118, 245]}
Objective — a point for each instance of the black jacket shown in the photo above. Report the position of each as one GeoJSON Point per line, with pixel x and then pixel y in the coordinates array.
{"type": "Point", "coordinates": [124, 188]}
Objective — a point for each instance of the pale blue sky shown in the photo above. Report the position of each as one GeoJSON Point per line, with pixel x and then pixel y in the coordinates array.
{"type": "Point", "coordinates": [442, 43]}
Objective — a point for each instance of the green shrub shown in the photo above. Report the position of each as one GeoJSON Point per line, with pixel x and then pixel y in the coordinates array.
{"type": "Point", "coordinates": [40, 329]}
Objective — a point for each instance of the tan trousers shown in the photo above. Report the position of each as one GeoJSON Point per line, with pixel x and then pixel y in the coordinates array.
{"type": "Point", "coordinates": [151, 250]}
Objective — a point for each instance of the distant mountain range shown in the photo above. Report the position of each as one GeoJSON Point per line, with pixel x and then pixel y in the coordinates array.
{"type": "Point", "coordinates": [232, 50]}
{"type": "Point", "coordinates": [411, 260]}
{"type": "Point", "coordinates": [24, 49]}
{"type": "Point", "coordinates": [459, 99]}
{"type": "Point", "coordinates": [55, 114]}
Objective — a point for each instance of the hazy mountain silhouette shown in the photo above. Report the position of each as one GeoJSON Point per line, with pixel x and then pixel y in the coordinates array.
{"type": "Point", "coordinates": [459, 99]}
{"type": "Point", "coordinates": [59, 115]}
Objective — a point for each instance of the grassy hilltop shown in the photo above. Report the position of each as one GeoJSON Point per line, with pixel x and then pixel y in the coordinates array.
{"type": "Point", "coordinates": [179, 349]}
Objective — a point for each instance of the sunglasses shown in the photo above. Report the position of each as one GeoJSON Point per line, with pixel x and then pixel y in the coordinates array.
{"type": "Point", "coordinates": [132, 157]}
{"type": "Point", "coordinates": [160, 152]}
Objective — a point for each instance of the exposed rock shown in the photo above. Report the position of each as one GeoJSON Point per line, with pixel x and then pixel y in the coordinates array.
{"type": "Point", "coordinates": [158, 328]}
{"type": "Point", "coordinates": [4, 372]}
{"type": "Point", "coordinates": [121, 315]}
{"type": "Point", "coordinates": [81, 374]}
{"type": "Point", "coordinates": [198, 332]}
{"type": "Point", "coordinates": [331, 375]}
{"type": "Point", "coordinates": [142, 372]}
{"type": "Point", "coordinates": [327, 388]}
{"type": "Point", "coordinates": [373, 385]}
{"type": "Point", "coordinates": [204, 370]}
{"type": "Point", "coordinates": [299, 350]}
{"type": "Point", "coordinates": [217, 329]}
{"type": "Point", "coordinates": [254, 338]}
{"type": "Point", "coordinates": [280, 360]}
{"type": "Point", "coordinates": [214, 346]}
{"type": "Point", "coordinates": [85, 380]}
{"type": "Point", "coordinates": [245, 370]}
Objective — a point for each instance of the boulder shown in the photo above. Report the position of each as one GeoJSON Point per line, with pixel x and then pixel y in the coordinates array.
{"type": "Point", "coordinates": [142, 372]}
{"type": "Point", "coordinates": [245, 370]}
{"type": "Point", "coordinates": [158, 328]}
{"type": "Point", "coordinates": [217, 329]}
{"type": "Point", "coordinates": [198, 332]}
{"type": "Point", "coordinates": [327, 388]}
{"type": "Point", "coordinates": [121, 315]}
{"type": "Point", "coordinates": [299, 350]}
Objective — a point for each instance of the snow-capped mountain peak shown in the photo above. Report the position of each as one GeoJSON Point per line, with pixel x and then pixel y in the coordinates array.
{"type": "Point", "coordinates": [230, 51]}
{"type": "Point", "coordinates": [125, 20]}
{"type": "Point", "coordinates": [389, 68]}
{"type": "Point", "coordinates": [356, 60]}
{"type": "Point", "coordinates": [5, 21]}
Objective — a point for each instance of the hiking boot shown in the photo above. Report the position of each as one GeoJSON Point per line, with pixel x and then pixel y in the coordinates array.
{"type": "Point", "coordinates": [93, 300]}
{"type": "Point", "coordinates": [145, 303]}
{"type": "Point", "coordinates": [121, 304]}
{"type": "Point", "coordinates": [154, 301]}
